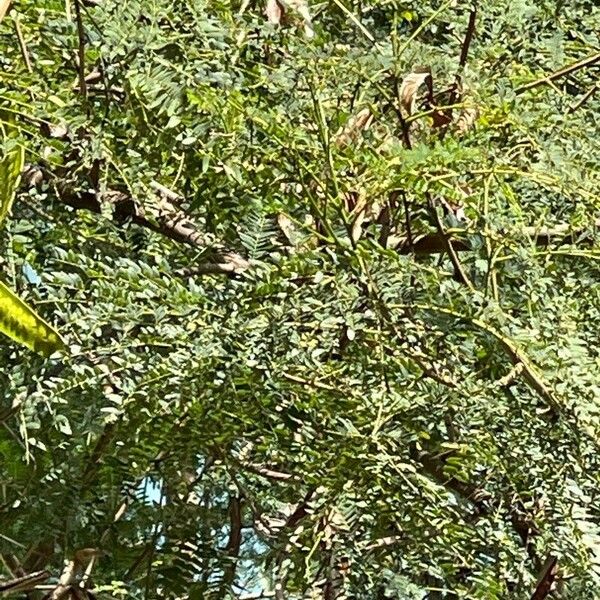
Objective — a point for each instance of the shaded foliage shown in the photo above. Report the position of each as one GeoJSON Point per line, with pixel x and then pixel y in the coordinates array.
{"type": "Point", "coordinates": [397, 396]}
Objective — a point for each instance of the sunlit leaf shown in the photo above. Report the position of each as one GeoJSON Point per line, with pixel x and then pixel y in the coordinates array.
{"type": "Point", "coordinates": [20, 322]}
{"type": "Point", "coordinates": [11, 165]}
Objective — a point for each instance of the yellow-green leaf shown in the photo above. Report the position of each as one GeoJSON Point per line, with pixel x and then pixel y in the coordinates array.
{"type": "Point", "coordinates": [11, 165]}
{"type": "Point", "coordinates": [24, 325]}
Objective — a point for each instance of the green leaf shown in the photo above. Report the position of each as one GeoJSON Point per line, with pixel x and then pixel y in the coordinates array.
{"type": "Point", "coordinates": [11, 166]}
{"type": "Point", "coordinates": [21, 323]}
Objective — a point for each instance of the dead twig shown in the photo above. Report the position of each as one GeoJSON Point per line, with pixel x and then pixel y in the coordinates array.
{"type": "Point", "coordinates": [456, 88]}
{"type": "Point", "coordinates": [464, 52]}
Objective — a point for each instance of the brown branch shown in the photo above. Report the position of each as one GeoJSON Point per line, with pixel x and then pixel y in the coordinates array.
{"type": "Point", "coordinates": [23, 584]}
{"type": "Point", "coordinates": [546, 579]}
{"type": "Point", "coordinates": [235, 526]}
{"type": "Point", "coordinates": [477, 497]}
{"type": "Point", "coordinates": [435, 243]}
{"type": "Point", "coordinates": [232, 550]}
{"type": "Point", "coordinates": [576, 66]}
{"type": "Point", "coordinates": [464, 53]}
{"type": "Point", "coordinates": [481, 500]}
{"type": "Point", "coordinates": [164, 219]}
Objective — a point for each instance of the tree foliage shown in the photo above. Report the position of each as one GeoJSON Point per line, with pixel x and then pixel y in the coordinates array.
{"type": "Point", "coordinates": [327, 282]}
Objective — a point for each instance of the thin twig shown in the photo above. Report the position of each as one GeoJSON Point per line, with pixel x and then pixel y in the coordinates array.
{"type": "Point", "coordinates": [583, 99]}
{"type": "Point", "coordinates": [461, 274]}
{"type": "Point", "coordinates": [80, 50]}
{"type": "Point", "coordinates": [464, 53]}
{"type": "Point", "coordinates": [22, 45]}
{"type": "Point", "coordinates": [546, 80]}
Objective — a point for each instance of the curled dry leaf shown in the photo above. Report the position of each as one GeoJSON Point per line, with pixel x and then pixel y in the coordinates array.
{"type": "Point", "coordinates": [276, 13]}
{"type": "Point", "coordinates": [410, 86]}
{"type": "Point", "coordinates": [354, 126]}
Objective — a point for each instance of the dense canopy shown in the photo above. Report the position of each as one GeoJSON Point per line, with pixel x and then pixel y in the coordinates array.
{"type": "Point", "coordinates": [325, 277]}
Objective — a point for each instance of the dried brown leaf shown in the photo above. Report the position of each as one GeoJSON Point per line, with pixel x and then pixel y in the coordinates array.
{"type": "Point", "coordinates": [410, 87]}
{"type": "Point", "coordinates": [57, 131]}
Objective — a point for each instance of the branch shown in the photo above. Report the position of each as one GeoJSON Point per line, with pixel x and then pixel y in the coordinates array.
{"type": "Point", "coordinates": [23, 584]}
{"type": "Point", "coordinates": [22, 44]}
{"type": "Point", "coordinates": [481, 500]}
{"type": "Point", "coordinates": [464, 53]}
{"type": "Point", "coordinates": [583, 99]}
{"type": "Point", "coordinates": [80, 50]}
{"type": "Point", "coordinates": [546, 579]}
{"type": "Point", "coordinates": [164, 219]}
{"type": "Point", "coordinates": [460, 273]}
{"type": "Point", "coordinates": [581, 64]}
{"type": "Point", "coordinates": [235, 540]}
{"type": "Point", "coordinates": [269, 473]}
{"type": "Point", "coordinates": [436, 243]}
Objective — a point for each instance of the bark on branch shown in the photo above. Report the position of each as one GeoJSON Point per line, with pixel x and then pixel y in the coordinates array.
{"type": "Point", "coordinates": [161, 217]}
{"type": "Point", "coordinates": [436, 243]}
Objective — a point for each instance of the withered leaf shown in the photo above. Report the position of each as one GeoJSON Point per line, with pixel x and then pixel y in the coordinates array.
{"type": "Point", "coordinates": [410, 86]}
